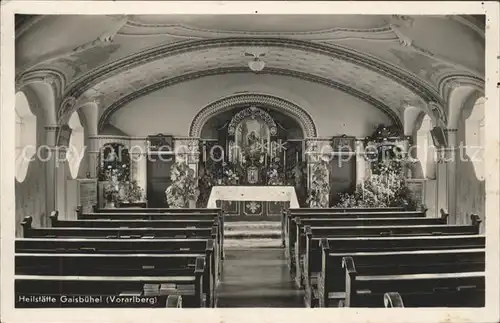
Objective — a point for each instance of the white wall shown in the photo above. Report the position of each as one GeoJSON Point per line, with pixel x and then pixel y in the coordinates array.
{"type": "Point", "coordinates": [171, 110]}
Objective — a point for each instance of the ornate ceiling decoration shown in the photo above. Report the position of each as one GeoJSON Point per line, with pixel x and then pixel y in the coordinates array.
{"type": "Point", "coordinates": [382, 60]}
{"type": "Point", "coordinates": [380, 80]}
{"type": "Point", "coordinates": [108, 112]}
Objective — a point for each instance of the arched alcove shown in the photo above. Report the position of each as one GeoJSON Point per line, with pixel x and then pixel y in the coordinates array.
{"type": "Point", "coordinates": [425, 149]}
{"type": "Point", "coordinates": [76, 149]}
{"type": "Point", "coordinates": [470, 170]}
{"type": "Point", "coordinates": [475, 136]}
{"type": "Point", "coordinates": [26, 128]}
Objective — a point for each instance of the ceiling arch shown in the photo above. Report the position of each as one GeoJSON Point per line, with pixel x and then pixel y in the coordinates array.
{"type": "Point", "coordinates": [304, 119]}
{"type": "Point", "coordinates": [116, 105]}
{"type": "Point", "coordinates": [385, 82]}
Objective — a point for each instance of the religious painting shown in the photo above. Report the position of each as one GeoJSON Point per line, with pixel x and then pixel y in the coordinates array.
{"type": "Point", "coordinates": [252, 136]}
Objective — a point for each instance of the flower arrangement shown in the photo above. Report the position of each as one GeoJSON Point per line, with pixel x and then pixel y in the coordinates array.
{"type": "Point", "coordinates": [385, 188]}
{"type": "Point", "coordinates": [184, 186]}
{"type": "Point", "coordinates": [230, 174]}
{"type": "Point", "coordinates": [134, 193]}
{"type": "Point", "coordinates": [273, 176]}
{"type": "Point", "coordinates": [319, 190]}
{"type": "Point", "coordinates": [112, 187]}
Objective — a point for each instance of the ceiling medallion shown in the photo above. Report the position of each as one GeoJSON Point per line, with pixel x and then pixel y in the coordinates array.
{"type": "Point", "coordinates": [256, 64]}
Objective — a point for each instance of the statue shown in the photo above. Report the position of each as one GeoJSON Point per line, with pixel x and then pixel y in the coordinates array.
{"type": "Point", "coordinates": [253, 141]}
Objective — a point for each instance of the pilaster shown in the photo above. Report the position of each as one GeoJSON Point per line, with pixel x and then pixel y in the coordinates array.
{"type": "Point", "coordinates": [451, 163]}
{"type": "Point", "coordinates": [139, 162]}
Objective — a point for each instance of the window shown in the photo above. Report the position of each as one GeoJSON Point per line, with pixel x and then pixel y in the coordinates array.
{"type": "Point", "coordinates": [425, 148]}
{"type": "Point", "coordinates": [25, 136]}
{"type": "Point", "coordinates": [76, 149]}
{"type": "Point", "coordinates": [474, 138]}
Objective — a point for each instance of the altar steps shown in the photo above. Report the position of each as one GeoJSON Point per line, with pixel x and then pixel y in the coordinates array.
{"type": "Point", "coordinates": [252, 234]}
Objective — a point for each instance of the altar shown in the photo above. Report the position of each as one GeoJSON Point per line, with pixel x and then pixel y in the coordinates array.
{"type": "Point", "coordinates": [253, 202]}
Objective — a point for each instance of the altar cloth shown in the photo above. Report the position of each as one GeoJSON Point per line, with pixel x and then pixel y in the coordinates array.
{"type": "Point", "coordinates": [253, 193]}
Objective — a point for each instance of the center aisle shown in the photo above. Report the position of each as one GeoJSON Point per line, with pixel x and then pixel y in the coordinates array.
{"type": "Point", "coordinates": [257, 278]}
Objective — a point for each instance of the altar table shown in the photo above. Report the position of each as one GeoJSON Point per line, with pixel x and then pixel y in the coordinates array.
{"type": "Point", "coordinates": [253, 201]}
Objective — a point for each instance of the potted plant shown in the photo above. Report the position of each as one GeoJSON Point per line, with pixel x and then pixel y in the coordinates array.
{"type": "Point", "coordinates": [134, 193]}
{"type": "Point", "coordinates": [111, 195]}
{"type": "Point", "coordinates": [183, 192]}
{"type": "Point", "coordinates": [320, 186]}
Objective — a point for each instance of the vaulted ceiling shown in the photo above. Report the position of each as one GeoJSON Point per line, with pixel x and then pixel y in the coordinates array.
{"type": "Point", "coordinates": [388, 61]}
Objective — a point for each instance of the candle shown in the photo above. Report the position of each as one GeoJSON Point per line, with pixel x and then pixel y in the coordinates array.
{"type": "Point", "coordinates": [297, 157]}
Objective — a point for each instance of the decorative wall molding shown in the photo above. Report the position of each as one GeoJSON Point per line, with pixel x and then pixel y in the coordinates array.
{"type": "Point", "coordinates": [252, 112]}
{"type": "Point", "coordinates": [224, 104]}
{"type": "Point", "coordinates": [52, 77]}
{"type": "Point", "coordinates": [117, 105]}
{"type": "Point", "coordinates": [449, 82]}
{"type": "Point", "coordinates": [411, 82]}
{"type": "Point", "coordinates": [139, 29]}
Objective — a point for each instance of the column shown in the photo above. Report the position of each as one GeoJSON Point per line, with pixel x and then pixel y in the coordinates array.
{"type": "Point", "coordinates": [139, 163]}
{"type": "Point", "coordinates": [93, 157]}
{"type": "Point", "coordinates": [451, 162]}
{"type": "Point", "coordinates": [360, 162]}
{"type": "Point", "coordinates": [316, 147]}
{"type": "Point", "coordinates": [49, 157]}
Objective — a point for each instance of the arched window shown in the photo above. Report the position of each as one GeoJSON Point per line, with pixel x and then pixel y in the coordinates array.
{"type": "Point", "coordinates": [474, 137]}
{"type": "Point", "coordinates": [114, 159]}
{"type": "Point", "coordinates": [25, 136]}
{"type": "Point", "coordinates": [76, 149]}
{"type": "Point", "coordinates": [425, 148]}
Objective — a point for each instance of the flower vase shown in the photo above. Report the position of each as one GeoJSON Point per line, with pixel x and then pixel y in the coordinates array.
{"type": "Point", "coordinates": [192, 204]}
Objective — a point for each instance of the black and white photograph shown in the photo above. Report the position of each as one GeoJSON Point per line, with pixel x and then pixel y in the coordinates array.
{"type": "Point", "coordinates": [157, 159]}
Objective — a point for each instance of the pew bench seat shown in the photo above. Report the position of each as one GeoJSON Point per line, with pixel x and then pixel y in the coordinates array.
{"type": "Point", "coordinates": [465, 289]}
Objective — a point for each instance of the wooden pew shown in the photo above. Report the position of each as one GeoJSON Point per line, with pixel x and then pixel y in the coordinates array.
{"type": "Point", "coordinates": [296, 240]}
{"type": "Point", "coordinates": [289, 223]}
{"type": "Point", "coordinates": [188, 283]}
{"type": "Point", "coordinates": [119, 265]}
{"type": "Point", "coordinates": [171, 214]}
{"type": "Point", "coordinates": [290, 212]}
{"type": "Point", "coordinates": [153, 210]}
{"type": "Point", "coordinates": [331, 281]}
{"type": "Point", "coordinates": [446, 276]}
{"type": "Point", "coordinates": [134, 223]}
{"type": "Point", "coordinates": [314, 235]}
{"type": "Point", "coordinates": [119, 232]}
{"type": "Point", "coordinates": [334, 249]}
{"type": "Point", "coordinates": [175, 247]}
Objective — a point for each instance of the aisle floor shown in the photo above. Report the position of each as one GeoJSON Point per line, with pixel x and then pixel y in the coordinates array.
{"type": "Point", "coordinates": [257, 278]}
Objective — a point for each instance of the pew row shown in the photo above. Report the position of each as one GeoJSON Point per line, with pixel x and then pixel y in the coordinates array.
{"type": "Point", "coordinates": [170, 214]}
{"type": "Point", "coordinates": [332, 279]}
{"type": "Point", "coordinates": [290, 217]}
{"type": "Point", "coordinates": [296, 239]}
{"type": "Point", "coordinates": [169, 248]}
{"type": "Point", "coordinates": [111, 291]}
{"type": "Point", "coordinates": [96, 209]}
{"type": "Point", "coordinates": [184, 221]}
{"type": "Point", "coordinates": [325, 291]}
{"type": "Point", "coordinates": [305, 265]}
{"type": "Point", "coordinates": [88, 266]}
{"type": "Point", "coordinates": [451, 285]}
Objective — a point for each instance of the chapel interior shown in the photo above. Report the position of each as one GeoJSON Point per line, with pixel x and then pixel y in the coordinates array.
{"type": "Point", "coordinates": [149, 117]}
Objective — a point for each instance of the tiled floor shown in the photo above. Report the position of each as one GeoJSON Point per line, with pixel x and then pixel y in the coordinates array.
{"type": "Point", "coordinates": [257, 278]}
